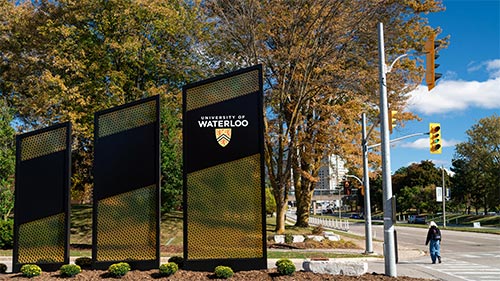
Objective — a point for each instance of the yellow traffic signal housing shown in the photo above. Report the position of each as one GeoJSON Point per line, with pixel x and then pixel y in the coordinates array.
{"type": "Point", "coordinates": [435, 138]}
{"type": "Point", "coordinates": [430, 59]}
{"type": "Point", "coordinates": [392, 120]}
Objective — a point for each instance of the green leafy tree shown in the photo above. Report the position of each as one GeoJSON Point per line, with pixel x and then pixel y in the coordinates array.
{"type": "Point", "coordinates": [270, 202]}
{"type": "Point", "coordinates": [415, 187]}
{"type": "Point", "coordinates": [171, 155]}
{"type": "Point", "coordinates": [7, 160]}
{"type": "Point", "coordinates": [462, 181]}
{"type": "Point", "coordinates": [477, 160]}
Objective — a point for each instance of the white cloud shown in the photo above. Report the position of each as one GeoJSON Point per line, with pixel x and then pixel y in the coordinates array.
{"type": "Point", "coordinates": [423, 143]}
{"type": "Point", "coordinates": [491, 66]}
{"type": "Point", "coordinates": [453, 95]}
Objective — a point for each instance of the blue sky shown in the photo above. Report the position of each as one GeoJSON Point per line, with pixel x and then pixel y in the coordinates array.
{"type": "Point", "coordinates": [469, 89]}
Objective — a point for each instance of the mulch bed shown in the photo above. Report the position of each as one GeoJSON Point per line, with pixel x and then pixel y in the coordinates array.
{"type": "Point", "coordinates": [269, 274]}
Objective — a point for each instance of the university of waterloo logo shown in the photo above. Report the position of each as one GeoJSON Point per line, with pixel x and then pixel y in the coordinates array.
{"type": "Point", "coordinates": [223, 125]}
{"type": "Point", "coordinates": [223, 136]}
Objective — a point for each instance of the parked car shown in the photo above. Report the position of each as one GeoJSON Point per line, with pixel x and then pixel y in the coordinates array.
{"type": "Point", "coordinates": [418, 219]}
{"type": "Point", "coordinates": [356, 216]}
{"type": "Point", "coordinates": [328, 211]}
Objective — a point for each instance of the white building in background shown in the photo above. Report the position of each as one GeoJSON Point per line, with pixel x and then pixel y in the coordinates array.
{"type": "Point", "coordinates": [331, 173]}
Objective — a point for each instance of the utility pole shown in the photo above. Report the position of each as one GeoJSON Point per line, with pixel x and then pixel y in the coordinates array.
{"type": "Point", "coordinates": [389, 247]}
{"type": "Point", "coordinates": [338, 185]}
{"type": "Point", "coordinates": [366, 183]}
{"type": "Point", "coordinates": [444, 198]}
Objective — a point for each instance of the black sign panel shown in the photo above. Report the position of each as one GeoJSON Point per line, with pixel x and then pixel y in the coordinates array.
{"type": "Point", "coordinates": [126, 220]}
{"type": "Point", "coordinates": [224, 204]}
{"type": "Point", "coordinates": [41, 211]}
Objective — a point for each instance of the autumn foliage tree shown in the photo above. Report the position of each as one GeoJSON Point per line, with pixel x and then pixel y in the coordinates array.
{"type": "Point", "coordinates": [64, 60]}
{"type": "Point", "coordinates": [320, 60]}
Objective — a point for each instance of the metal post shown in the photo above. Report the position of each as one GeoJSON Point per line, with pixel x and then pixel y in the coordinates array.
{"type": "Point", "coordinates": [366, 183]}
{"type": "Point", "coordinates": [444, 198]}
{"type": "Point", "coordinates": [338, 185]}
{"type": "Point", "coordinates": [389, 251]}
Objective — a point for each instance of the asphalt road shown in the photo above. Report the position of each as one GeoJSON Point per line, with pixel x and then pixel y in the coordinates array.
{"type": "Point", "coordinates": [465, 255]}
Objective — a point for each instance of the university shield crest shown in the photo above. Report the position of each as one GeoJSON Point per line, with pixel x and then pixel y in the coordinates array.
{"type": "Point", "coordinates": [223, 136]}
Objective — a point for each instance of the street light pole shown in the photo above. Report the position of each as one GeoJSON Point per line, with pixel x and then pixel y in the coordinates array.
{"type": "Point", "coordinates": [366, 183]}
{"type": "Point", "coordinates": [444, 197]}
{"type": "Point", "coordinates": [389, 247]}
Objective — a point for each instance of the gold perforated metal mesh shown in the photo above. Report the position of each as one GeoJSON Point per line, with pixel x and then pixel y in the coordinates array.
{"type": "Point", "coordinates": [43, 144]}
{"type": "Point", "coordinates": [224, 211]}
{"type": "Point", "coordinates": [221, 90]}
{"type": "Point", "coordinates": [126, 226]}
{"type": "Point", "coordinates": [127, 118]}
{"type": "Point", "coordinates": [42, 240]}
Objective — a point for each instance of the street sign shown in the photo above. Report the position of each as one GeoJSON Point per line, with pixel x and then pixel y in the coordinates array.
{"type": "Point", "coordinates": [439, 194]}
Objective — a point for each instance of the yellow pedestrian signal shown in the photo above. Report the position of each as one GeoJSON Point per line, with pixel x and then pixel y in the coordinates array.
{"type": "Point", "coordinates": [430, 57]}
{"type": "Point", "coordinates": [392, 120]}
{"type": "Point", "coordinates": [435, 138]}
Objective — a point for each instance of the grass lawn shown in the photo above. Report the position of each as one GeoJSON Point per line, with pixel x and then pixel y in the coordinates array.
{"type": "Point", "coordinates": [171, 232]}
{"type": "Point", "coordinates": [171, 235]}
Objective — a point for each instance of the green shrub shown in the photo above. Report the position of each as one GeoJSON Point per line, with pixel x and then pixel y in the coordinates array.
{"type": "Point", "coordinates": [119, 269]}
{"type": "Point", "coordinates": [31, 270]}
{"type": "Point", "coordinates": [223, 272]}
{"type": "Point", "coordinates": [285, 267]}
{"type": "Point", "coordinates": [84, 262]}
{"type": "Point", "coordinates": [3, 268]}
{"type": "Point", "coordinates": [177, 260]}
{"type": "Point", "coordinates": [168, 269]}
{"type": "Point", "coordinates": [6, 234]}
{"type": "Point", "coordinates": [70, 270]}
{"type": "Point", "coordinates": [288, 238]}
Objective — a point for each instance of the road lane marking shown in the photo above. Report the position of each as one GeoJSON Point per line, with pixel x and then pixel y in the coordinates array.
{"type": "Point", "coordinates": [465, 270]}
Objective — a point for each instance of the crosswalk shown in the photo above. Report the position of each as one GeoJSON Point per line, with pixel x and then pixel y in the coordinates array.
{"type": "Point", "coordinates": [466, 270]}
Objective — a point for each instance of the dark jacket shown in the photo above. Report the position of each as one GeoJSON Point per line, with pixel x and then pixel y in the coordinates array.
{"type": "Point", "coordinates": [433, 234]}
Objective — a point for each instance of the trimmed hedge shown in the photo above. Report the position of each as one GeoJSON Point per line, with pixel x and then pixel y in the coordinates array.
{"type": "Point", "coordinates": [119, 269]}
{"type": "Point", "coordinates": [223, 272]}
{"type": "Point", "coordinates": [285, 267]}
{"type": "Point", "coordinates": [31, 270]}
{"type": "Point", "coordinates": [168, 269]}
{"type": "Point", "coordinates": [70, 270]}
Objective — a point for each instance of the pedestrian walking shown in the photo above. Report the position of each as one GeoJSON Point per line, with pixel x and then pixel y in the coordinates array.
{"type": "Point", "coordinates": [434, 238]}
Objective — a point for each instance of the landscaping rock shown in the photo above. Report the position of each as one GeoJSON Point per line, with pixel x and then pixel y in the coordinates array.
{"type": "Point", "coordinates": [350, 268]}
{"type": "Point", "coordinates": [279, 239]}
{"type": "Point", "coordinates": [316, 237]}
{"type": "Point", "coordinates": [332, 236]}
{"type": "Point", "coordinates": [298, 238]}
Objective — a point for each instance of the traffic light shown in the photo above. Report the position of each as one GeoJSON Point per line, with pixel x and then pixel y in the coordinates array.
{"type": "Point", "coordinates": [430, 56]}
{"type": "Point", "coordinates": [392, 120]}
{"type": "Point", "coordinates": [435, 138]}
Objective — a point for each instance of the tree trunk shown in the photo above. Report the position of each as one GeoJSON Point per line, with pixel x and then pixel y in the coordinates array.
{"type": "Point", "coordinates": [303, 207]}
{"type": "Point", "coordinates": [304, 198]}
{"type": "Point", "coordinates": [280, 218]}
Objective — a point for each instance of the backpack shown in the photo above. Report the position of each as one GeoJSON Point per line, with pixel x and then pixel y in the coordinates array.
{"type": "Point", "coordinates": [436, 235]}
